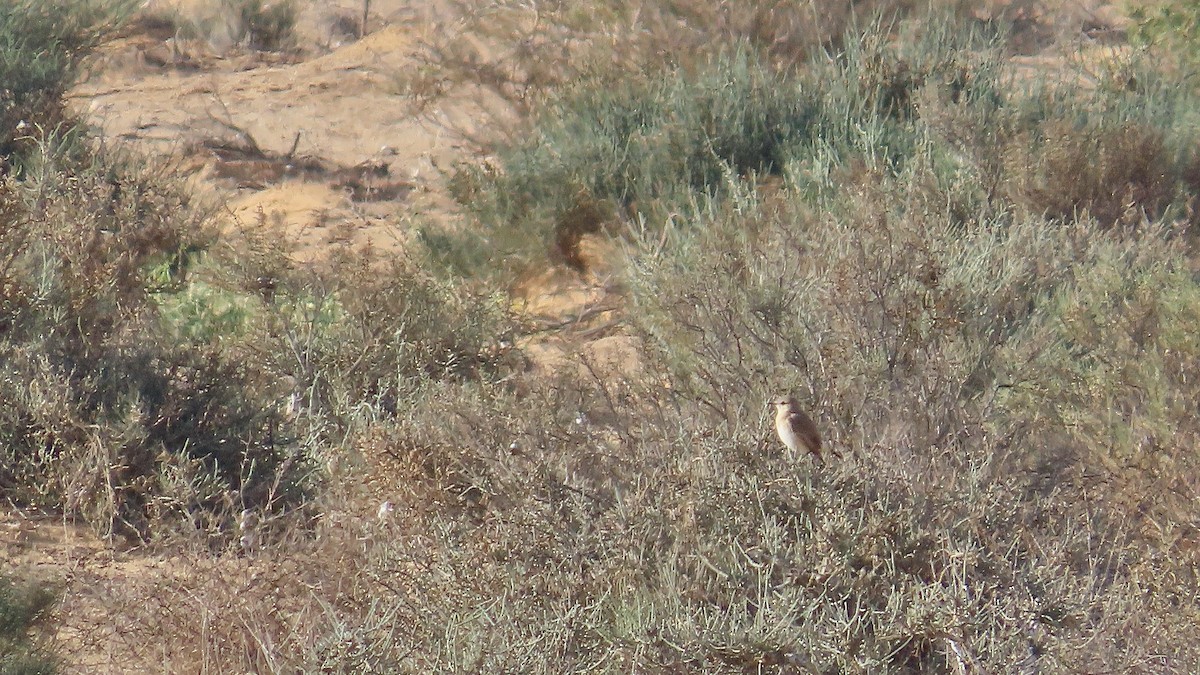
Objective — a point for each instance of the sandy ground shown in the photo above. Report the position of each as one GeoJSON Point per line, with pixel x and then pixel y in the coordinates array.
{"type": "Point", "coordinates": [339, 104]}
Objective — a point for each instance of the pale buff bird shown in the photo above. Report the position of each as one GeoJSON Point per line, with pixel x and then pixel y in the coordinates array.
{"type": "Point", "coordinates": [796, 429]}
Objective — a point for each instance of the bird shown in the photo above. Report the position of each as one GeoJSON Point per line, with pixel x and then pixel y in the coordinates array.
{"type": "Point", "coordinates": [385, 511]}
{"type": "Point", "coordinates": [795, 428]}
{"type": "Point", "coordinates": [248, 524]}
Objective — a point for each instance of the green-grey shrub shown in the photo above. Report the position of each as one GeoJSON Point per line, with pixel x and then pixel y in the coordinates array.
{"type": "Point", "coordinates": [358, 338]}
{"type": "Point", "coordinates": [638, 150]}
{"type": "Point", "coordinates": [988, 364]}
{"type": "Point", "coordinates": [641, 144]}
{"type": "Point", "coordinates": [42, 47]}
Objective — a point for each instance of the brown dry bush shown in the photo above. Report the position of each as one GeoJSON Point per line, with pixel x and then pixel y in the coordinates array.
{"type": "Point", "coordinates": [923, 350]}
{"type": "Point", "coordinates": [99, 393]}
{"type": "Point", "coordinates": [1113, 174]}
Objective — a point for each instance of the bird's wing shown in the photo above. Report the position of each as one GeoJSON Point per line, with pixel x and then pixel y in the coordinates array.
{"type": "Point", "coordinates": [806, 430]}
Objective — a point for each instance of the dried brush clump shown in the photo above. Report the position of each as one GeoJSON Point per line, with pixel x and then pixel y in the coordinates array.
{"type": "Point", "coordinates": [99, 395]}
{"type": "Point", "coordinates": [971, 375]}
{"type": "Point", "coordinates": [1113, 174]}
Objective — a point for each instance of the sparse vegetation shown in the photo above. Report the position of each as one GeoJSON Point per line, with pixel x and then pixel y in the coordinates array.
{"type": "Point", "coordinates": [112, 414]}
{"type": "Point", "coordinates": [536, 50]}
{"type": "Point", "coordinates": [980, 286]}
{"type": "Point", "coordinates": [640, 146]}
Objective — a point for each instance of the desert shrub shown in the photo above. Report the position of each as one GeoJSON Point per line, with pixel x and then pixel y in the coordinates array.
{"type": "Point", "coordinates": [1102, 171]}
{"type": "Point", "coordinates": [933, 103]}
{"type": "Point", "coordinates": [351, 337]}
{"type": "Point", "coordinates": [637, 145]}
{"type": "Point", "coordinates": [42, 47]}
{"type": "Point", "coordinates": [254, 614]}
{"type": "Point", "coordinates": [100, 395]}
{"type": "Point", "coordinates": [260, 25]}
{"type": "Point", "coordinates": [24, 608]}
{"type": "Point", "coordinates": [1052, 146]}
{"type": "Point", "coordinates": [882, 73]}
{"type": "Point", "coordinates": [916, 343]}
{"type": "Point", "coordinates": [1103, 374]}
{"type": "Point", "coordinates": [565, 525]}
{"type": "Point", "coordinates": [639, 150]}
{"type": "Point", "coordinates": [1114, 152]}
{"type": "Point", "coordinates": [121, 404]}
{"type": "Point", "coordinates": [633, 153]}
{"type": "Point", "coordinates": [361, 345]}
{"type": "Point", "coordinates": [557, 526]}
{"type": "Point", "coordinates": [150, 388]}
{"type": "Point", "coordinates": [991, 511]}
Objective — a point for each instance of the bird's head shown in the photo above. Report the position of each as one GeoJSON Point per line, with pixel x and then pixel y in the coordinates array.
{"type": "Point", "coordinates": [783, 403]}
